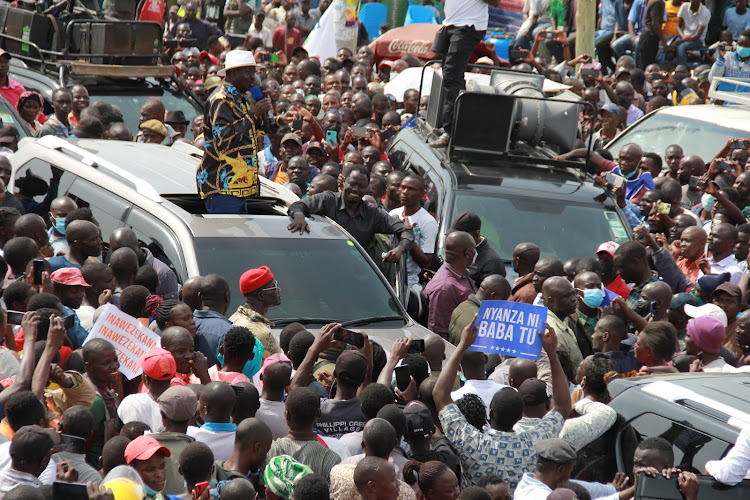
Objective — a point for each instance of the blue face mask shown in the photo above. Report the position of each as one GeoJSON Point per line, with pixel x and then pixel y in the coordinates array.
{"type": "Point", "coordinates": [743, 52]}
{"type": "Point", "coordinates": [60, 226]}
{"type": "Point", "coordinates": [149, 491]}
{"type": "Point", "coordinates": [593, 297]}
{"type": "Point", "coordinates": [630, 175]}
{"type": "Point", "coordinates": [708, 200]}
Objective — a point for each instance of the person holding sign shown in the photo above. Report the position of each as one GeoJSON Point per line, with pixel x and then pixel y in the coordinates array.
{"type": "Point", "coordinates": [480, 451]}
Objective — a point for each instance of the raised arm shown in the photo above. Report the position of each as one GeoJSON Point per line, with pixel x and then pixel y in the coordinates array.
{"type": "Point", "coordinates": [323, 341]}
{"type": "Point", "coordinates": [560, 388]}
{"type": "Point", "coordinates": [441, 394]}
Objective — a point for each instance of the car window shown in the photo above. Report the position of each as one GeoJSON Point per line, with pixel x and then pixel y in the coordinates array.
{"type": "Point", "coordinates": [308, 275]}
{"type": "Point", "coordinates": [130, 105]}
{"type": "Point", "coordinates": [32, 184]}
{"type": "Point", "coordinates": [7, 116]}
{"type": "Point", "coordinates": [560, 228]}
{"type": "Point", "coordinates": [159, 239]}
{"type": "Point", "coordinates": [659, 131]}
{"type": "Point", "coordinates": [692, 449]}
{"type": "Point", "coordinates": [108, 209]}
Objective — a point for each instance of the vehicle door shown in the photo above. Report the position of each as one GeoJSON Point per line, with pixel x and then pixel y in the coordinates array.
{"type": "Point", "coordinates": [160, 240]}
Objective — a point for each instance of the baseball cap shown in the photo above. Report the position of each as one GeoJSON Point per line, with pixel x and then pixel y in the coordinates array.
{"type": "Point", "coordinates": [621, 71]}
{"type": "Point", "coordinates": [467, 222]}
{"type": "Point", "coordinates": [611, 107]}
{"type": "Point", "coordinates": [710, 282]}
{"type": "Point", "coordinates": [419, 422]}
{"type": "Point", "coordinates": [291, 137]}
{"type": "Point", "coordinates": [70, 276]}
{"type": "Point", "coordinates": [729, 288]}
{"type": "Point", "coordinates": [534, 392]}
{"type": "Point", "coordinates": [315, 145]}
{"type": "Point", "coordinates": [273, 359]}
{"type": "Point", "coordinates": [707, 310]}
{"type": "Point", "coordinates": [178, 403]}
{"type": "Point", "coordinates": [159, 364]}
{"type": "Point", "coordinates": [203, 55]}
{"type": "Point", "coordinates": [143, 448]}
{"type": "Point", "coordinates": [31, 443]}
{"type": "Point", "coordinates": [682, 299]}
{"type": "Point", "coordinates": [608, 247]}
{"type": "Point", "coordinates": [352, 363]}
{"type": "Point", "coordinates": [707, 332]}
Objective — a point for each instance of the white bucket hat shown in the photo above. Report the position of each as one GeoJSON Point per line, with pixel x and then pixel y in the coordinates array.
{"type": "Point", "coordinates": [237, 59]}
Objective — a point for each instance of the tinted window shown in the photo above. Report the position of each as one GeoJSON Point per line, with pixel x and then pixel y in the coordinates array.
{"type": "Point", "coordinates": [318, 279]}
{"type": "Point", "coordinates": [692, 449]}
{"type": "Point", "coordinates": [109, 210]}
{"type": "Point", "coordinates": [159, 240]}
{"type": "Point", "coordinates": [659, 131]}
{"type": "Point", "coordinates": [130, 105]}
{"type": "Point", "coordinates": [559, 228]}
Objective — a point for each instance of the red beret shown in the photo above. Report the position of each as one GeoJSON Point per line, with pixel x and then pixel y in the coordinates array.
{"type": "Point", "coordinates": [255, 278]}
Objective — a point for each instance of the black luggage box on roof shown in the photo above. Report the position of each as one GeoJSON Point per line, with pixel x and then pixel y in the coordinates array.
{"type": "Point", "coordinates": [115, 42]}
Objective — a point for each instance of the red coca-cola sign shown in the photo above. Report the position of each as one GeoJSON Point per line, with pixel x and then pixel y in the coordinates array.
{"type": "Point", "coordinates": [419, 48]}
{"type": "Point", "coordinates": [415, 39]}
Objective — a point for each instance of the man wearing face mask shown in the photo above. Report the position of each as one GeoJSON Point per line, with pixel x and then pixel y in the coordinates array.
{"type": "Point", "coordinates": [626, 166]}
{"type": "Point", "coordinates": [58, 210]}
{"type": "Point", "coordinates": [605, 255]}
{"type": "Point", "coordinates": [590, 296]}
{"type": "Point", "coordinates": [451, 284]}
{"type": "Point", "coordinates": [733, 64]}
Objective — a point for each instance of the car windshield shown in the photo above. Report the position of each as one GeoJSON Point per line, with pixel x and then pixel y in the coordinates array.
{"type": "Point", "coordinates": [318, 278]}
{"type": "Point", "coordinates": [130, 105]}
{"type": "Point", "coordinates": [660, 130]}
{"type": "Point", "coordinates": [560, 228]}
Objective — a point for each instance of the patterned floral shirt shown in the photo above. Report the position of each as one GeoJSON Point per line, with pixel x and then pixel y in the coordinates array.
{"type": "Point", "coordinates": [230, 164]}
{"type": "Point", "coordinates": [506, 454]}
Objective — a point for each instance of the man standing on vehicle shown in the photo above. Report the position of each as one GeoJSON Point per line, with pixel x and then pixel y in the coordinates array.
{"type": "Point", "coordinates": [422, 224]}
{"type": "Point", "coordinates": [346, 208]}
{"type": "Point", "coordinates": [229, 170]}
{"type": "Point", "coordinates": [58, 124]}
{"type": "Point", "coordinates": [463, 28]}
{"type": "Point", "coordinates": [200, 29]}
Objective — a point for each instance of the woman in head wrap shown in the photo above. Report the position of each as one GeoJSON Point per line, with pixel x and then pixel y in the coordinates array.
{"type": "Point", "coordinates": [29, 105]}
{"type": "Point", "coordinates": [281, 476]}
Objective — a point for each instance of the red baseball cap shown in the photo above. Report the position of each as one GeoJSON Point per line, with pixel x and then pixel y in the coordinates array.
{"type": "Point", "coordinates": [205, 54]}
{"type": "Point", "coordinates": [255, 278]}
{"type": "Point", "coordinates": [159, 364]}
{"type": "Point", "coordinates": [70, 276]}
{"type": "Point", "coordinates": [143, 448]}
{"type": "Point", "coordinates": [608, 247]}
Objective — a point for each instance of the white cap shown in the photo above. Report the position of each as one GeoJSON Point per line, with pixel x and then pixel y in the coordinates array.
{"type": "Point", "coordinates": [707, 310]}
{"type": "Point", "coordinates": [236, 59]}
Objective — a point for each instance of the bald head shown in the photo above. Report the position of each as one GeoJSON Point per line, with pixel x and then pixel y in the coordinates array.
{"type": "Point", "coordinates": [525, 257]}
{"type": "Point", "coordinates": [546, 268]}
{"type": "Point", "coordinates": [63, 205]}
{"type": "Point", "coordinates": [80, 230]}
{"type": "Point", "coordinates": [460, 249]}
{"type": "Point", "coordinates": [153, 109]}
{"type": "Point", "coordinates": [494, 287]}
{"type": "Point", "coordinates": [520, 370]}
{"type": "Point", "coordinates": [371, 469]}
{"type": "Point", "coordinates": [559, 296]}
{"type": "Point", "coordinates": [175, 335]}
{"type": "Point", "coordinates": [34, 227]}
{"type": "Point", "coordinates": [657, 291]}
{"type": "Point", "coordinates": [379, 438]}
{"type": "Point", "coordinates": [124, 265]}
{"type": "Point", "coordinates": [251, 431]}
{"type": "Point", "coordinates": [633, 149]}
{"type": "Point", "coordinates": [190, 292]}
{"type": "Point", "coordinates": [434, 351]}
{"type": "Point", "coordinates": [276, 377]}
{"type": "Point", "coordinates": [237, 489]}
{"type": "Point", "coordinates": [216, 402]}
{"type": "Point", "coordinates": [124, 237]}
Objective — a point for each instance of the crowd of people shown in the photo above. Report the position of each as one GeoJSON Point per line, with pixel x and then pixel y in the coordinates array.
{"type": "Point", "coordinates": [226, 408]}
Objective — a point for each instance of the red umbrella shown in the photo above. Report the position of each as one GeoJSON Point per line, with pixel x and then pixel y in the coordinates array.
{"type": "Point", "coordinates": [413, 39]}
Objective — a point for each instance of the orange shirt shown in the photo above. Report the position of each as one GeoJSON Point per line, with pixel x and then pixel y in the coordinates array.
{"type": "Point", "coordinates": [689, 269]}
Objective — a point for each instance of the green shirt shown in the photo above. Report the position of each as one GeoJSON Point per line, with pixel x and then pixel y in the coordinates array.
{"type": "Point", "coordinates": [462, 316]}
{"type": "Point", "coordinates": [557, 12]}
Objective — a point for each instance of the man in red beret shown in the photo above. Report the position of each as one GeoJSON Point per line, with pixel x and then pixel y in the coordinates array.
{"type": "Point", "coordinates": [261, 292]}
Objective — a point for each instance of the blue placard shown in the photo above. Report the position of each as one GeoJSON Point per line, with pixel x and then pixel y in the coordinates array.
{"type": "Point", "coordinates": [510, 328]}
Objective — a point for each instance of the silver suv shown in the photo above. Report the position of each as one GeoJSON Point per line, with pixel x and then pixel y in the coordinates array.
{"type": "Point", "coordinates": [324, 276]}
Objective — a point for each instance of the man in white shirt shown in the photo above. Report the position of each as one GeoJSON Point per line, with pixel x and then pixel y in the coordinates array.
{"type": "Point", "coordinates": [692, 20]}
{"type": "Point", "coordinates": [464, 27]}
{"type": "Point", "coordinates": [721, 244]}
{"type": "Point", "coordinates": [159, 368]}
{"type": "Point", "coordinates": [30, 452]}
{"type": "Point", "coordinates": [472, 366]}
{"type": "Point", "coordinates": [423, 225]}
{"type": "Point", "coordinates": [260, 31]}
{"type": "Point", "coordinates": [216, 404]}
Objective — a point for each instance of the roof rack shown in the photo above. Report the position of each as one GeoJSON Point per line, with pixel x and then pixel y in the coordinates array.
{"type": "Point", "coordinates": [85, 47]}
{"type": "Point", "coordinates": [730, 90]}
